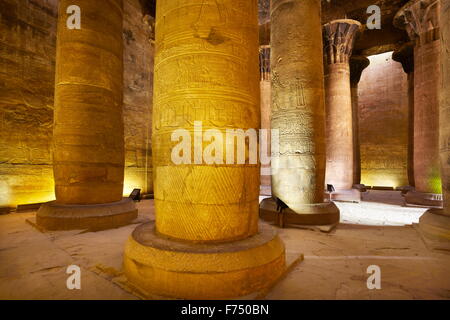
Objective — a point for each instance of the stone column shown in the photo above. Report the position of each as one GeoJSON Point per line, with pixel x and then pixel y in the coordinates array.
{"type": "Point", "coordinates": [405, 55]}
{"type": "Point", "coordinates": [88, 143]}
{"type": "Point", "coordinates": [264, 64]}
{"type": "Point", "coordinates": [357, 66]}
{"type": "Point", "coordinates": [206, 242]}
{"type": "Point", "coordinates": [435, 223]}
{"type": "Point", "coordinates": [339, 38]}
{"type": "Point", "coordinates": [298, 113]}
{"type": "Point", "coordinates": [420, 18]}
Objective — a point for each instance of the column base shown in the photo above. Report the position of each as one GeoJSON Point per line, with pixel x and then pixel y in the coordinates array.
{"type": "Point", "coordinates": [95, 217]}
{"type": "Point", "coordinates": [405, 189]}
{"type": "Point", "coordinates": [351, 195]}
{"type": "Point", "coordinates": [322, 216]}
{"type": "Point", "coordinates": [415, 198]}
{"type": "Point", "coordinates": [360, 187]}
{"type": "Point", "coordinates": [434, 227]}
{"type": "Point", "coordinates": [158, 265]}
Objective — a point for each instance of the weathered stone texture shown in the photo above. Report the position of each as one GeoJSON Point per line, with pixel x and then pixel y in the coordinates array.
{"type": "Point", "coordinates": [27, 72]}
{"type": "Point", "coordinates": [357, 66]}
{"type": "Point", "coordinates": [137, 96]}
{"type": "Point", "coordinates": [383, 108]}
{"type": "Point", "coordinates": [206, 69]}
{"type": "Point", "coordinates": [266, 96]}
{"type": "Point", "coordinates": [27, 68]}
{"type": "Point", "coordinates": [298, 110]}
{"type": "Point", "coordinates": [420, 19]}
{"type": "Point", "coordinates": [339, 38]}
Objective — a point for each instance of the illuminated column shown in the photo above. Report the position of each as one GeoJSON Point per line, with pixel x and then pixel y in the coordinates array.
{"type": "Point", "coordinates": [435, 223]}
{"type": "Point", "coordinates": [298, 113]}
{"type": "Point", "coordinates": [357, 66]}
{"type": "Point", "coordinates": [405, 55]}
{"type": "Point", "coordinates": [88, 143]}
{"type": "Point", "coordinates": [206, 242]}
{"type": "Point", "coordinates": [420, 18]}
{"type": "Point", "coordinates": [264, 64]}
{"type": "Point", "coordinates": [339, 37]}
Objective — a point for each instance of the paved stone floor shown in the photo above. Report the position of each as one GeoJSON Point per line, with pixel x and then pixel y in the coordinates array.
{"type": "Point", "coordinates": [33, 264]}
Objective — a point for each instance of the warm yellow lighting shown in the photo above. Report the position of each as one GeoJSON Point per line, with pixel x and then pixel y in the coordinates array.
{"type": "Point", "coordinates": [380, 180]}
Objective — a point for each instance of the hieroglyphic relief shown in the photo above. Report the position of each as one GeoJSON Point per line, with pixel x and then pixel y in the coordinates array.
{"type": "Point", "coordinates": [206, 70]}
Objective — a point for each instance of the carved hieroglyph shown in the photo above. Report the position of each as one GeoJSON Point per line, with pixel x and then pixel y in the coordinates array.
{"type": "Point", "coordinates": [298, 111]}
{"type": "Point", "coordinates": [206, 69]}
{"type": "Point", "coordinates": [420, 18]}
{"type": "Point", "coordinates": [206, 242]}
{"type": "Point", "coordinates": [339, 38]}
{"type": "Point", "coordinates": [88, 157]}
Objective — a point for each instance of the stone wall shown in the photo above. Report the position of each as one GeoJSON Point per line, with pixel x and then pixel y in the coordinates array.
{"type": "Point", "coordinates": [27, 67]}
{"type": "Point", "coordinates": [383, 107]}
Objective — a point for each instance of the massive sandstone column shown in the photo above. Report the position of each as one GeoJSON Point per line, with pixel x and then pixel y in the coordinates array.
{"type": "Point", "coordinates": [357, 66]}
{"type": "Point", "coordinates": [339, 38]}
{"type": "Point", "coordinates": [405, 55]}
{"type": "Point", "coordinates": [264, 63]}
{"type": "Point", "coordinates": [435, 223]}
{"type": "Point", "coordinates": [206, 242]}
{"type": "Point", "coordinates": [88, 143]}
{"type": "Point", "coordinates": [298, 113]}
{"type": "Point", "coordinates": [420, 18]}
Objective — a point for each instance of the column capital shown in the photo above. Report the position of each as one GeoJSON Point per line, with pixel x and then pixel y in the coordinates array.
{"type": "Point", "coordinates": [420, 19]}
{"type": "Point", "coordinates": [264, 62]}
{"type": "Point", "coordinates": [405, 55]}
{"type": "Point", "coordinates": [357, 66]}
{"type": "Point", "coordinates": [339, 38]}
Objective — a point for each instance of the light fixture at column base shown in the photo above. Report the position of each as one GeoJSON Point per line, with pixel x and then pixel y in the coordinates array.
{"type": "Point", "coordinates": [158, 265]}
{"type": "Point", "coordinates": [321, 216]}
{"type": "Point", "coordinates": [93, 217]}
{"type": "Point", "coordinates": [414, 198]}
{"type": "Point", "coordinates": [434, 226]}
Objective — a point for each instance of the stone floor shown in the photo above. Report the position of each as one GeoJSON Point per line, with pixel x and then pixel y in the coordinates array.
{"type": "Point", "coordinates": [33, 264]}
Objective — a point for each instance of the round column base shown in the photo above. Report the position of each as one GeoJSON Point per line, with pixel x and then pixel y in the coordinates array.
{"type": "Point", "coordinates": [415, 198]}
{"type": "Point", "coordinates": [94, 217]}
{"type": "Point", "coordinates": [323, 216]}
{"type": "Point", "coordinates": [434, 226]}
{"type": "Point", "coordinates": [346, 195]}
{"type": "Point", "coordinates": [158, 265]}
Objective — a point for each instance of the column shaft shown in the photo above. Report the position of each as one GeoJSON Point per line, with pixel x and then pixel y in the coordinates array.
{"type": "Point", "coordinates": [206, 242]}
{"type": "Point", "coordinates": [339, 170]}
{"type": "Point", "coordinates": [88, 146]}
{"type": "Point", "coordinates": [405, 55]}
{"type": "Point", "coordinates": [420, 18]}
{"type": "Point", "coordinates": [88, 137]}
{"type": "Point", "coordinates": [339, 37]}
{"type": "Point", "coordinates": [426, 118]}
{"type": "Point", "coordinates": [298, 117]}
{"type": "Point", "coordinates": [357, 66]}
{"type": "Point", "coordinates": [297, 102]}
{"type": "Point", "coordinates": [445, 105]}
{"type": "Point", "coordinates": [206, 70]}
{"type": "Point", "coordinates": [266, 96]}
